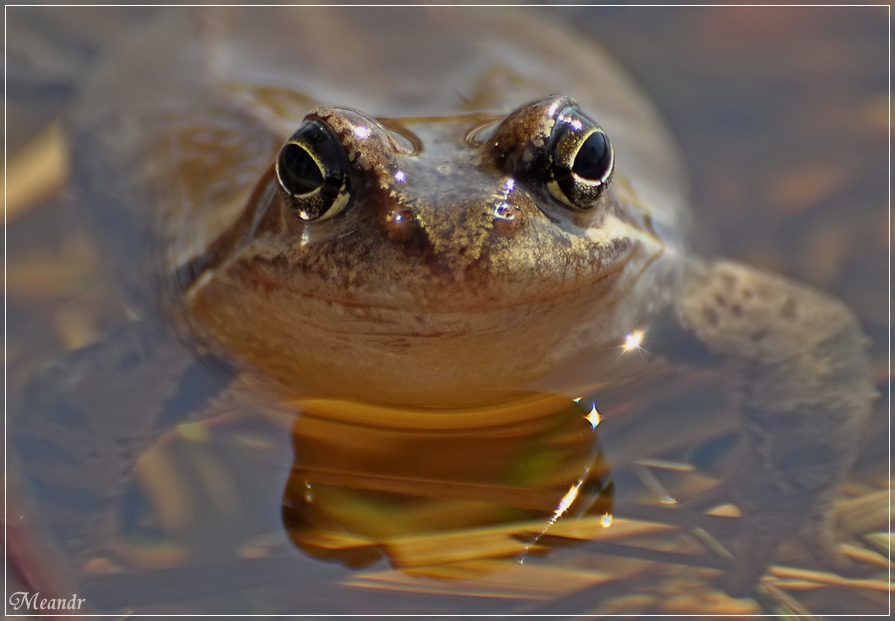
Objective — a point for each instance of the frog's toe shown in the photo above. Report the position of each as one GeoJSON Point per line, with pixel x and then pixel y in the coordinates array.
{"type": "Point", "coordinates": [757, 547]}
{"type": "Point", "coordinates": [818, 537]}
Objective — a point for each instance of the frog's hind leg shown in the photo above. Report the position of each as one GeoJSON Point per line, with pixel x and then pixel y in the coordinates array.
{"type": "Point", "coordinates": [800, 359]}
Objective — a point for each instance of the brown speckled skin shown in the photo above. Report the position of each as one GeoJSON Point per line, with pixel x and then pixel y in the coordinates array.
{"type": "Point", "coordinates": [448, 289]}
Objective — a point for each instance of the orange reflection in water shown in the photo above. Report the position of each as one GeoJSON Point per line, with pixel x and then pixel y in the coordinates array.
{"type": "Point", "coordinates": [441, 493]}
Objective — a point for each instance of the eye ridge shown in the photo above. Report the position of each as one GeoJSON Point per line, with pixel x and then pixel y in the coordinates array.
{"type": "Point", "coordinates": [312, 172]}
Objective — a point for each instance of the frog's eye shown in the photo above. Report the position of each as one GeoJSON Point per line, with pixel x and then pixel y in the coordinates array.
{"type": "Point", "coordinates": [580, 159]}
{"type": "Point", "coordinates": [312, 171]}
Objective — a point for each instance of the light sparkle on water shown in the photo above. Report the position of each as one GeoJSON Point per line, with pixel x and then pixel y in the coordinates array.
{"type": "Point", "coordinates": [633, 340]}
{"type": "Point", "coordinates": [594, 417]}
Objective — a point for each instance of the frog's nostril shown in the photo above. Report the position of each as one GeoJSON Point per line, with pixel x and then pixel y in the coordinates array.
{"type": "Point", "coordinates": [402, 226]}
{"type": "Point", "coordinates": [507, 217]}
{"type": "Point", "coordinates": [505, 211]}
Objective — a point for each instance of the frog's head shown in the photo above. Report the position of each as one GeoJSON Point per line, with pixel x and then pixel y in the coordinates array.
{"type": "Point", "coordinates": [432, 261]}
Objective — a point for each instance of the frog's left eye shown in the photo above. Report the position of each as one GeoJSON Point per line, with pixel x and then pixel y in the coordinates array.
{"type": "Point", "coordinates": [312, 171]}
{"type": "Point", "coordinates": [580, 160]}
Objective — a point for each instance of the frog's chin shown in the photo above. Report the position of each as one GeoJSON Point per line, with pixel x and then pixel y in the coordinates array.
{"type": "Point", "coordinates": [446, 388]}
{"type": "Point", "coordinates": [443, 392]}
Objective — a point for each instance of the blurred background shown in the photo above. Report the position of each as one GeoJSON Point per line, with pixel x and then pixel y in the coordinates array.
{"type": "Point", "coordinates": [782, 115]}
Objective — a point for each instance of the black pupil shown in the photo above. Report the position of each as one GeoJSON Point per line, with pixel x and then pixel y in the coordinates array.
{"type": "Point", "coordinates": [299, 172]}
{"type": "Point", "coordinates": [593, 158]}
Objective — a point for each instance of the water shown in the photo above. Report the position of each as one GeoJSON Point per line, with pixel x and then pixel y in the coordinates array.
{"type": "Point", "coordinates": [781, 115]}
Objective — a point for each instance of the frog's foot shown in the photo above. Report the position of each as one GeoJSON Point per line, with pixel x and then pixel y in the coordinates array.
{"type": "Point", "coordinates": [817, 536]}
{"type": "Point", "coordinates": [761, 537]}
{"type": "Point", "coordinates": [758, 543]}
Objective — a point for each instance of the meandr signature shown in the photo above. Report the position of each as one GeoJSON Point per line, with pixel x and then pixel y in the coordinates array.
{"type": "Point", "coordinates": [33, 601]}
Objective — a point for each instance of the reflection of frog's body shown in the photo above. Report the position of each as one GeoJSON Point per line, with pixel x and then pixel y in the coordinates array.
{"type": "Point", "coordinates": [482, 242]}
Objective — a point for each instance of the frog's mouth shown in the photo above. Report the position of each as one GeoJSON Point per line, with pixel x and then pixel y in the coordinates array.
{"type": "Point", "coordinates": [345, 317]}
{"type": "Point", "coordinates": [628, 254]}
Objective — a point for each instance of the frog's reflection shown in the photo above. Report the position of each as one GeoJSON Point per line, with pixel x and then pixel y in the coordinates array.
{"type": "Point", "coordinates": [442, 494]}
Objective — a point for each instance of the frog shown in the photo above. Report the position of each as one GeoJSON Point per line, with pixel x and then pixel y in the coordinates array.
{"type": "Point", "coordinates": [503, 215]}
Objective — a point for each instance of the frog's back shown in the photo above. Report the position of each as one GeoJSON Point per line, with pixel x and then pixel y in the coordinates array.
{"type": "Point", "coordinates": [223, 87]}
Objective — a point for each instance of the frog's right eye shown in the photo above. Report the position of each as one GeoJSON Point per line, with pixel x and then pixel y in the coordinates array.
{"type": "Point", "coordinates": [563, 156]}
{"type": "Point", "coordinates": [579, 158]}
{"type": "Point", "coordinates": [312, 171]}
